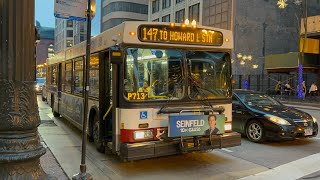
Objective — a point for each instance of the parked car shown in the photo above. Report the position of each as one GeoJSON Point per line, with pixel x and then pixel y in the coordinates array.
{"type": "Point", "coordinates": [39, 84]}
{"type": "Point", "coordinates": [44, 92]}
{"type": "Point", "coordinates": [260, 117]}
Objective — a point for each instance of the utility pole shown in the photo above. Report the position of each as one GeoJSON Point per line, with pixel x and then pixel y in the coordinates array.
{"type": "Point", "coordinates": [20, 147]}
{"type": "Point", "coordinates": [83, 175]}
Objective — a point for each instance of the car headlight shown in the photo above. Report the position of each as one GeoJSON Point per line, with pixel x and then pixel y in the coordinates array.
{"type": "Point", "coordinates": [277, 120]}
{"type": "Point", "coordinates": [314, 119]}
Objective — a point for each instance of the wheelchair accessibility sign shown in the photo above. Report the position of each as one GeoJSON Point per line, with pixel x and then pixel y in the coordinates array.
{"type": "Point", "coordinates": [143, 114]}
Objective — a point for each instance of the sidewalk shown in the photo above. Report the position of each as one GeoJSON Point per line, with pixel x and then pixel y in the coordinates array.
{"type": "Point", "coordinates": [48, 162]}
{"type": "Point", "coordinates": [66, 148]}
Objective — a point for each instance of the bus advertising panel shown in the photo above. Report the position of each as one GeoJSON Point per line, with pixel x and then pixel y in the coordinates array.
{"type": "Point", "coordinates": [196, 125]}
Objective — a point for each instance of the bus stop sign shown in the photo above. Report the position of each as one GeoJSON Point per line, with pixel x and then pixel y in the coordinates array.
{"type": "Point", "coordinates": [71, 9]}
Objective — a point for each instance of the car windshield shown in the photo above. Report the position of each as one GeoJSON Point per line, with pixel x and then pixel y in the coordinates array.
{"type": "Point", "coordinates": [210, 74]}
{"type": "Point", "coordinates": [40, 80]}
{"type": "Point", "coordinates": [253, 99]}
{"type": "Point", "coordinates": [153, 74]}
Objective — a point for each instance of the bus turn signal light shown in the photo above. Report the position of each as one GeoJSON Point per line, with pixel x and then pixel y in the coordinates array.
{"type": "Point", "coordinates": [132, 33]}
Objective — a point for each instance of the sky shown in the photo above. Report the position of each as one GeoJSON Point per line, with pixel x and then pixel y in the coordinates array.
{"type": "Point", "coordinates": [44, 14]}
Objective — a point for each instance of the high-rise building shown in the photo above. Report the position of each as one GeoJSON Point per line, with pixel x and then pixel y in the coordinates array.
{"type": "Point", "coordinates": [79, 32]}
{"type": "Point", "coordinates": [44, 48]}
{"type": "Point", "coordinates": [260, 28]}
{"type": "Point", "coordinates": [115, 12]}
{"type": "Point", "coordinates": [68, 33]}
{"type": "Point", "coordinates": [175, 10]}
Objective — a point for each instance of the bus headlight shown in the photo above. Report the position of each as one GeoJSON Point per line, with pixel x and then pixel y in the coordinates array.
{"type": "Point", "coordinates": [228, 127]}
{"type": "Point", "coordinates": [143, 134]}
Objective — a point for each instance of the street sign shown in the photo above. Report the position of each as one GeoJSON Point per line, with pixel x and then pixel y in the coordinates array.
{"type": "Point", "coordinates": [71, 9]}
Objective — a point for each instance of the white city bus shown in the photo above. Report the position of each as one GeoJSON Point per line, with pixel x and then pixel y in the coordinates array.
{"type": "Point", "coordinates": [156, 89]}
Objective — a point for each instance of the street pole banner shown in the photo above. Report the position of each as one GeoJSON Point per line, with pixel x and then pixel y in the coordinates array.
{"type": "Point", "coordinates": [196, 125]}
{"type": "Point", "coordinates": [71, 9]}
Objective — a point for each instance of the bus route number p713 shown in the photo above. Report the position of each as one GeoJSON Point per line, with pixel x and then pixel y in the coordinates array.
{"type": "Point", "coordinates": [137, 95]}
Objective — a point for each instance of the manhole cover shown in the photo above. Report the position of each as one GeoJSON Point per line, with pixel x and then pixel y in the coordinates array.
{"type": "Point", "coordinates": [47, 123]}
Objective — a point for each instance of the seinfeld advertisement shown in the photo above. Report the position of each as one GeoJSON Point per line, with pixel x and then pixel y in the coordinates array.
{"type": "Point", "coordinates": [196, 125]}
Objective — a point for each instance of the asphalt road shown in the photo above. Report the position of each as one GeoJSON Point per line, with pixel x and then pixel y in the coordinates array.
{"type": "Point", "coordinates": [232, 163]}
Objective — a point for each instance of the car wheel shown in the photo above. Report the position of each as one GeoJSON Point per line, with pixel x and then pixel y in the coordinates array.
{"type": "Point", "coordinates": [96, 135]}
{"type": "Point", "coordinates": [255, 131]}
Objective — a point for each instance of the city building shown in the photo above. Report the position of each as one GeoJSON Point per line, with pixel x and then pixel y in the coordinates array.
{"type": "Point", "coordinates": [175, 10]}
{"type": "Point", "coordinates": [44, 48]}
{"type": "Point", "coordinates": [69, 33]}
{"type": "Point", "coordinates": [115, 12]}
{"type": "Point", "coordinates": [260, 29]}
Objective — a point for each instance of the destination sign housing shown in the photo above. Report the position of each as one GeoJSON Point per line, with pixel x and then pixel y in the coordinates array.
{"type": "Point", "coordinates": [179, 35]}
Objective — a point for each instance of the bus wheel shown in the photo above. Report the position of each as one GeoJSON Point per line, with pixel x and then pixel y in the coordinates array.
{"type": "Point", "coordinates": [96, 135]}
{"type": "Point", "coordinates": [55, 114]}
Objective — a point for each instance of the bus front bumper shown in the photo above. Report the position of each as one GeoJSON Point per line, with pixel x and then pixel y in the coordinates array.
{"type": "Point", "coordinates": [152, 149]}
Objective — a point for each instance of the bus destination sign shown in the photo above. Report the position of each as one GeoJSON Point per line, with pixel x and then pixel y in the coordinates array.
{"type": "Point", "coordinates": [180, 35]}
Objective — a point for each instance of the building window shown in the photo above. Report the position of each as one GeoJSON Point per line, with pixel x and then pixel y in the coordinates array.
{"type": "Point", "coordinates": [114, 22]}
{"type": "Point", "coordinates": [68, 77]}
{"type": "Point", "coordinates": [166, 18]}
{"type": "Point", "coordinates": [78, 76]}
{"type": "Point", "coordinates": [155, 6]}
{"type": "Point", "coordinates": [69, 33]}
{"type": "Point", "coordinates": [178, 1]}
{"type": "Point", "coordinates": [81, 27]}
{"type": "Point", "coordinates": [156, 20]}
{"type": "Point", "coordinates": [125, 7]}
{"type": "Point", "coordinates": [166, 4]}
{"type": "Point", "coordinates": [69, 43]}
{"type": "Point", "coordinates": [194, 12]}
{"type": "Point", "coordinates": [94, 76]}
{"type": "Point", "coordinates": [82, 38]}
{"type": "Point", "coordinates": [69, 23]}
{"type": "Point", "coordinates": [180, 16]}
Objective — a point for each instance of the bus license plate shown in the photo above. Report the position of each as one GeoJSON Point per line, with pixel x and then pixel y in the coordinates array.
{"type": "Point", "coordinates": [308, 132]}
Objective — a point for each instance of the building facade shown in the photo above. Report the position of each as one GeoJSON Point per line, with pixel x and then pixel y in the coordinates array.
{"type": "Point", "coordinates": [114, 12]}
{"type": "Point", "coordinates": [260, 29]}
{"type": "Point", "coordinates": [68, 33]}
{"type": "Point", "coordinates": [44, 48]}
{"type": "Point", "coordinates": [175, 10]}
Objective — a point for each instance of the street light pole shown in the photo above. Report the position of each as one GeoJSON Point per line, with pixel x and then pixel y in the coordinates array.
{"type": "Point", "coordinates": [83, 175]}
{"type": "Point", "coordinates": [20, 147]}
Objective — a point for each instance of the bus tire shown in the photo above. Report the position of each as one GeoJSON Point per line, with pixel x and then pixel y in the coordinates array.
{"type": "Point", "coordinates": [96, 135]}
{"type": "Point", "coordinates": [55, 114]}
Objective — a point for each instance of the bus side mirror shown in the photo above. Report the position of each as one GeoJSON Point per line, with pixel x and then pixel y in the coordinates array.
{"type": "Point", "coordinates": [116, 55]}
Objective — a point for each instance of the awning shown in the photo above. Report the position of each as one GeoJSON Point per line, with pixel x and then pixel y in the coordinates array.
{"type": "Point", "coordinates": [286, 63]}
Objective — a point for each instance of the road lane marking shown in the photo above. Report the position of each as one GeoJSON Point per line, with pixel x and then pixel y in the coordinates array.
{"type": "Point", "coordinates": [227, 150]}
{"type": "Point", "coordinates": [293, 170]}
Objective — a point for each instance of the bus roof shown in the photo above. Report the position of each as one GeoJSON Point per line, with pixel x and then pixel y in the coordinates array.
{"type": "Point", "coordinates": [129, 33]}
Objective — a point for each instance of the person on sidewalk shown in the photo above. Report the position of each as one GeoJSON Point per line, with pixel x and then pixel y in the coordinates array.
{"type": "Point", "coordinates": [287, 89]}
{"type": "Point", "coordinates": [304, 88]}
{"type": "Point", "coordinates": [278, 88]}
{"type": "Point", "coordinates": [313, 89]}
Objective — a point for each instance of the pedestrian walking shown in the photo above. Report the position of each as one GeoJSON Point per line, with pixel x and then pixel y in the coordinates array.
{"type": "Point", "coordinates": [313, 89]}
{"type": "Point", "coordinates": [304, 88]}
{"type": "Point", "coordinates": [278, 88]}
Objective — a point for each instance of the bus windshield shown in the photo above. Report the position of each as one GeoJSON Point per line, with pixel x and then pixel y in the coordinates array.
{"type": "Point", "coordinates": [153, 74]}
{"type": "Point", "coordinates": [158, 74]}
{"type": "Point", "coordinates": [209, 74]}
